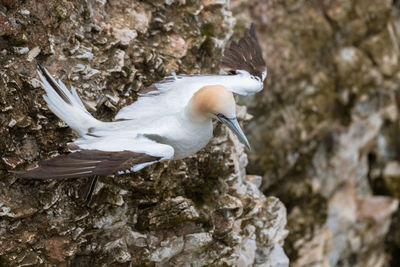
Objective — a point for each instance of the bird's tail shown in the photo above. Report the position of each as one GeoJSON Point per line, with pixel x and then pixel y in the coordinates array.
{"type": "Point", "coordinates": [66, 105]}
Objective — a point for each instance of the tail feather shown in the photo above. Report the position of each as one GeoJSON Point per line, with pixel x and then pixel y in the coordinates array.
{"type": "Point", "coordinates": [74, 96]}
{"type": "Point", "coordinates": [53, 84]}
{"type": "Point", "coordinates": [66, 105]}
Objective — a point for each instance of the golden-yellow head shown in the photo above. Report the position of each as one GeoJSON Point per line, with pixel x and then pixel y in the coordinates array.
{"type": "Point", "coordinates": [215, 101]}
{"type": "Point", "coordinates": [212, 100]}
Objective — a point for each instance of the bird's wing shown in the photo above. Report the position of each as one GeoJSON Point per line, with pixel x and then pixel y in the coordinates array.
{"type": "Point", "coordinates": [242, 57]}
{"type": "Point", "coordinates": [115, 159]}
{"type": "Point", "coordinates": [245, 55]}
{"type": "Point", "coordinates": [243, 61]}
{"type": "Point", "coordinates": [172, 96]}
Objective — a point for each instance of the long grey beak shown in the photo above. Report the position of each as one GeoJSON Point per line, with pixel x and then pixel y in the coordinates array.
{"type": "Point", "coordinates": [233, 124]}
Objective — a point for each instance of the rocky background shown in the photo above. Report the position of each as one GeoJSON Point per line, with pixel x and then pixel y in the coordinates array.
{"type": "Point", "coordinates": [325, 135]}
{"type": "Point", "coordinates": [201, 211]}
{"type": "Point", "coordinates": [326, 129]}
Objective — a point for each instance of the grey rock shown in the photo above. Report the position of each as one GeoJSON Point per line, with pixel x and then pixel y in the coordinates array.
{"type": "Point", "coordinates": [325, 129]}
{"type": "Point", "coordinates": [201, 210]}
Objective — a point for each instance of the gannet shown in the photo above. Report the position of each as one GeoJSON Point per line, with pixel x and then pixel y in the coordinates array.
{"type": "Point", "coordinates": [171, 119]}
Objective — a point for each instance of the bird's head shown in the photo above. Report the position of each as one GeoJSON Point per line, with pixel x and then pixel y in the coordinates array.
{"type": "Point", "coordinates": [215, 101]}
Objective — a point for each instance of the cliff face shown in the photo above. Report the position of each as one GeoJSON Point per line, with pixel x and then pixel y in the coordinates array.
{"type": "Point", "coordinates": [203, 210]}
{"type": "Point", "coordinates": [325, 130]}
{"type": "Point", "coordinates": [324, 135]}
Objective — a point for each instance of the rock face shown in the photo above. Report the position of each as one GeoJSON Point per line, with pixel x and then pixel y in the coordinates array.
{"type": "Point", "coordinates": [201, 211]}
{"type": "Point", "coordinates": [325, 130]}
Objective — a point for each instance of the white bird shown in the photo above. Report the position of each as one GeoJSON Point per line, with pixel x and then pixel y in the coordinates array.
{"type": "Point", "coordinates": [171, 120]}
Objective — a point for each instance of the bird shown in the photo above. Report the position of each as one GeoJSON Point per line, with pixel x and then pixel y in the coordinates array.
{"type": "Point", "coordinates": [171, 119]}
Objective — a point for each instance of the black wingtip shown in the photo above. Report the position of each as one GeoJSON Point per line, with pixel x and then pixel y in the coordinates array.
{"type": "Point", "coordinates": [246, 54]}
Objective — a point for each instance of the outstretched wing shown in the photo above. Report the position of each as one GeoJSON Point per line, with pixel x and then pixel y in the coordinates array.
{"type": "Point", "coordinates": [88, 161]}
{"type": "Point", "coordinates": [245, 55]}
{"type": "Point", "coordinates": [242, 60]}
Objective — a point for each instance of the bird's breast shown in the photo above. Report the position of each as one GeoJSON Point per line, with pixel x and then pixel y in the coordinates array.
{"type": "Point", "coordinates": [190, 139]}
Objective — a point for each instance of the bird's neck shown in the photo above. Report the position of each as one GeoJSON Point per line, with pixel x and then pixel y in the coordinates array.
{"type": "Point", "coordinates": [195, 117]}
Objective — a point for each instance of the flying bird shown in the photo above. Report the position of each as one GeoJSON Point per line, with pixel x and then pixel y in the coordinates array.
{"type": "Point", "coordinates": [171, 119]}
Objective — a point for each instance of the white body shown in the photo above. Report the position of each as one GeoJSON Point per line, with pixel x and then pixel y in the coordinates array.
{"type": "Point", "coordinates": [156, 124]}
{"type": "Point", "coordinates": [184, 135]}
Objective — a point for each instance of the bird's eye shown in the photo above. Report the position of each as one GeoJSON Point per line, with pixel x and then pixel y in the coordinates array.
{"type": "Point", "coordinates": [222, 116]}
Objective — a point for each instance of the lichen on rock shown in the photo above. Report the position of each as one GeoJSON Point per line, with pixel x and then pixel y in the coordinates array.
{"type": "Point", "coordinates": [203, 210]}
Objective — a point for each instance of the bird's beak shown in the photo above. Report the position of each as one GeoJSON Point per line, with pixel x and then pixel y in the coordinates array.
{"type": "Point", "coordinates": [233, 124]}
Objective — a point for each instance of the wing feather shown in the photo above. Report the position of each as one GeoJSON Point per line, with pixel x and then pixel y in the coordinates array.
{"type": "Point", "coordinates": [87, 163]}
{"type": "Point", "coordinates": [246, 54]}
{"type": "Point", "coordinates": [243, 59]}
